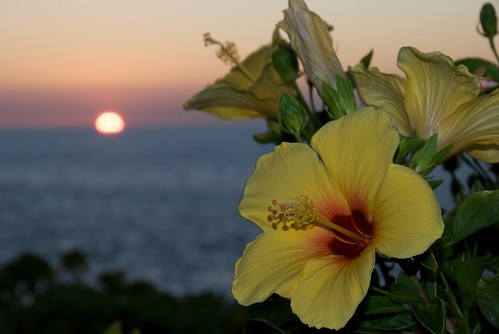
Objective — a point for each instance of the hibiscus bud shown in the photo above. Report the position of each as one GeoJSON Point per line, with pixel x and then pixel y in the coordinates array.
{"type": "Point", "coordinates": [293, 116]}
{"type": "Point", "coordinates": [488, 20]}
{"type": "Point", "coordinates": [340, 101]}
{"type": "Point", "coordinates": [285, 62]}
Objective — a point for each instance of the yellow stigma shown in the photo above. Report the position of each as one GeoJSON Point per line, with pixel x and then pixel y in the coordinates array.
{"type": "Point", "coordinates": [227, 51]}
{"type": "Point", "coordinates": [302, 214]}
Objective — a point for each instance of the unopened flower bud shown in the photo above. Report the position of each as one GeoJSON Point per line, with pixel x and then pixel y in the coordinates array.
{"type": "Point", "coordinates": [488, 20]}
{"type": "Point", "coordinates": [292, 115]}
{"type": "Point", "coordinates": [285, 62]}
{"type": "Point", "coordinates": [340, 101]}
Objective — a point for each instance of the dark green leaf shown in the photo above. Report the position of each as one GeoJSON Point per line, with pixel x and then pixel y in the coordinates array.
{"type": "Point", "coordinates": [477, 64]}
{"type": "Point", "coordinates": [468, 273]}
{"type": "Point", "coordinates": [378, 325]}
{"type": "Point", "coordinates": [428, 260]}
{"type": "Point", "coordinates": [432, 315]}
{"type": "Point", "coordinates": [380, 305]}
{"type": "Point", "coordinates": [404, 290]}
{"type": "Point", "coordinates": [488, 298]}
{"type": "Point", "coordinates": [477, 211]}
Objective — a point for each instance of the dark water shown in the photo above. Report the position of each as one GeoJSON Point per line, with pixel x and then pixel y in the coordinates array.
{"type": "Point", "coordinates": [158, 204]}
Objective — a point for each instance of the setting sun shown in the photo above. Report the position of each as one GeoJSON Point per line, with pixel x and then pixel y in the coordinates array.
{"type": "Point", "coordinates": [109, 122]}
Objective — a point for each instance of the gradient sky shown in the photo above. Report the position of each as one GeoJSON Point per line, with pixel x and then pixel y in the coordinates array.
{"type": "Point", "coordinates": [64, 61]}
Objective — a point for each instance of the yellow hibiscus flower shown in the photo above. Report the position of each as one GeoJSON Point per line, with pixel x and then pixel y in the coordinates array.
{"type": "Point", "coordinates": [325, 211]}
{"type": "Point", "coordinates": [436, 97]}
{"type": "Point", "coordinates": [250, 90]}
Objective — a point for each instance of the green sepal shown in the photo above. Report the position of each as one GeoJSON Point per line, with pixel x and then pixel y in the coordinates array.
{"type": "Point", "coordinates": [406, 147]}
{"type": "Point", "coordinates": [424, 160]}
{"type": "Point", "coordinates": [434, 184]}
{"type": "Point", "coordinates": [487, 291]}
{"type": "Point", "coordinates": [432, 316]}
{"type": "Point", "coordinates": [366, 60]}
{"type": "Point", "coordinates": [340, 101]}
{"type": "Point", "coordinates": [477, 211]}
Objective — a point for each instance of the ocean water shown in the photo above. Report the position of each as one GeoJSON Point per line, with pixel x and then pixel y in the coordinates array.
{"type": "Point", "coordinates": [158, 204]}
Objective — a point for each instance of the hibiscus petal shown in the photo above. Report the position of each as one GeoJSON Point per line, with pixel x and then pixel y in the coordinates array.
{"type": "Point", "coordinates": [244, 94]}
{"type": "Point", "coordinates": [356, 150]}
{"type": "Point", "coordinates": [474, 128]}
{"type": "Point", "coordinates": [435, 87]}
{"type": "Point", "coordinates": [273, 263]}
{"type": "Point", "coordinates": [385, 92]}
{"type": "Point", "coordinates": [331, 289]}
{"type": "Point", "coordinates": [291, 170]}
{"type": "Point", "coordinates": [407, 217]}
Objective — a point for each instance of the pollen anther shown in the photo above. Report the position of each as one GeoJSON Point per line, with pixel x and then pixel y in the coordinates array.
{"type": "Point", "coordinates": [299, 215]}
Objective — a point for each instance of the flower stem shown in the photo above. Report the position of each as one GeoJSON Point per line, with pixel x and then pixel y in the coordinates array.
{"type": "Point", "coordinates": [380, 291]}
{"type": "Point", "coordinates": [450, 296]}
{"type": "Point", "coordinates": [493, 46]}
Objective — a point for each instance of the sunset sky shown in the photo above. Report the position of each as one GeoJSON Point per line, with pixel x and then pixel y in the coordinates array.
{"type": "Point", "coordinates": [64, 61]}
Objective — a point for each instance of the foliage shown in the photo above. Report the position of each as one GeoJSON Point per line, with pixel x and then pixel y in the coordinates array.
{"type": "Point", "coordinates": [114, 306]}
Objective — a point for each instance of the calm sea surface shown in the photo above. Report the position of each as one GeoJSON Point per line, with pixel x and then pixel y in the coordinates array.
{"type": "Point", "coordinates": [159, 204]}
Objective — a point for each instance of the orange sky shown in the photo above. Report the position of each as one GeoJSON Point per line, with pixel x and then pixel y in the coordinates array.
{"type": "Point", "coordinates": [62, 62]}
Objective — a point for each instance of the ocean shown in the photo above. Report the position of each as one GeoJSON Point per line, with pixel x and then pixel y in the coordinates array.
{"type": "Point", "coordinates": [157, 204]}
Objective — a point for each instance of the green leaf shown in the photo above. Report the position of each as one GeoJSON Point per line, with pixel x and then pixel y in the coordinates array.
{"type": "Point", "coordinates": [477, 64]}
{"type": "Point", "coordinates": [428, 260]}
{"type": "Point", "coordinates": [404, 290]}
{"type": "Point", "coordinates": [477, 211]}
{"type": "Point", "coordinates": [468, 273]}
{"type": "Point", "coordinates": [488, 297]}
{"type": "Point", "coordinates": [432, 315]}
{"type": "Point", "coordinates": [380, 305]}
{"type": "Point", "coordinates": [379, 325]}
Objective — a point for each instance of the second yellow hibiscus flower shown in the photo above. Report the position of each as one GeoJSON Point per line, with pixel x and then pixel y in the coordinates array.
{"type": "Point", "coordinates": [436, 97]}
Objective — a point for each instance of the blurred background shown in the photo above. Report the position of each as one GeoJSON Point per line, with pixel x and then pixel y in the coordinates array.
{"type": "Point", "coordinates": [158, 201]}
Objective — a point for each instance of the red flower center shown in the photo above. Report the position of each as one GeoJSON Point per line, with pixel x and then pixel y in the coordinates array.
{"type": "Point", "coordinates": [356, 223]}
